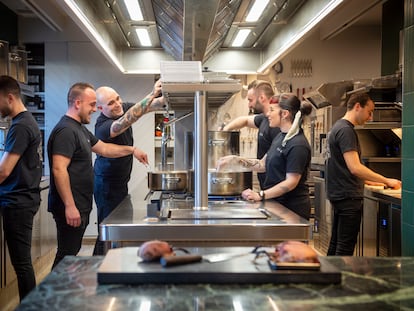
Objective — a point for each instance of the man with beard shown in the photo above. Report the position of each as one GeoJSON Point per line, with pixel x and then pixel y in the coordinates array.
{"type": "Point", "coordinates": [259, 95]}
{"type": "Point", "coordinates": [70, 149]}
{"type": "Point", "coordinates": [112, 174]}
{"type": "Point", "coordinates": [20, 173]}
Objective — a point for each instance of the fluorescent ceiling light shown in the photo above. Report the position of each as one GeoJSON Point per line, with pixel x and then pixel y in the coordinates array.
{"type": "Point", "coordinates": [256, 10]}
{"type": "Point", "coordinates": [134, 10]}
{"type": "Point", "coordinates": [143, 36]}
{"type": "Point", "coordinates": [240, 37]}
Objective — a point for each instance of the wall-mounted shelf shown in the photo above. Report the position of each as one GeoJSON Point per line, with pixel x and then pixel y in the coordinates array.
{"type": "Point", "coordinates": [36, 80]}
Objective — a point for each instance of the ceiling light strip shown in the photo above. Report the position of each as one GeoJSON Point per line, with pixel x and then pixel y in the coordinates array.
{"type": "Point", "coordinates": [143, 36]}
{"type": "Point", "coordinates": [256, 10]}
{"type": "Point", "coordinates": [240, 37]}
{"type": "Point", "coordinates": [134, 10]}
{"type": "Point", "coordinates": [83, 19]}
{"type": "Point", "coordinates": [309, 26]}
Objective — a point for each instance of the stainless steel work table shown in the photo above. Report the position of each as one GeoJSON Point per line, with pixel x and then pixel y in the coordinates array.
{"type": "Point", "coordinates": [128, 224]}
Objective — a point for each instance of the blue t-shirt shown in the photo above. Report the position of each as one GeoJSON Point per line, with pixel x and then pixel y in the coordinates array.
{"type": "Point", "coordinates": [116, 169]}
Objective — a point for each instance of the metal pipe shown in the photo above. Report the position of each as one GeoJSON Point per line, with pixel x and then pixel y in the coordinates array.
{"type": "Point", "coordinates": [201, 151]}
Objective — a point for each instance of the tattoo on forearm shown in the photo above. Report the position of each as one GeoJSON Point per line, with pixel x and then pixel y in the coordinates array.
{"type": "Point", "coordinates": [250, 163]}
{"type": "Point", "coordinates": [132, 115]}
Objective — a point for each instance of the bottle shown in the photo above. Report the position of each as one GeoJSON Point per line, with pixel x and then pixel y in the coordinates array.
{"type": "Point", "coordinates": [167, 130]}
{"type": "Point", "coordinates": [158, 130]}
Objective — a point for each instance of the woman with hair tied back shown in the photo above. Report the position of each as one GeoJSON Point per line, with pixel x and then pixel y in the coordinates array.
{"type": "Point", "coordinates": [287, 161]}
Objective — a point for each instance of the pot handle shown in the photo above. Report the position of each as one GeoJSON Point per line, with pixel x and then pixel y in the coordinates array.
{"type": "Point", "coordinates": [223, 180]}
{"type": "Point", "coordinates": [172, 180]}
{"type": "Point", "coordinates": [216, 142]}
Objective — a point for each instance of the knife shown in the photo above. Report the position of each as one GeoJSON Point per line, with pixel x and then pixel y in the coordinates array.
{"type": "Point", "coordinates": [171, 260]}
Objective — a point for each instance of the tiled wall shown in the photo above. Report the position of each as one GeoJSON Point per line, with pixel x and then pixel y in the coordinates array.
{"type": "Point", "coordinates": [408, 132]}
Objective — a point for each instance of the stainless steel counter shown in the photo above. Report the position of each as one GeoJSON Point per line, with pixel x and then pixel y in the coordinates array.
{"type": "Point", "coordinates": [128, 224]}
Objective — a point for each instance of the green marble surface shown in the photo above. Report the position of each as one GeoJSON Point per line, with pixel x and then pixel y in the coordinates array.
{"type": "Point", "coordinates": [367, 284]}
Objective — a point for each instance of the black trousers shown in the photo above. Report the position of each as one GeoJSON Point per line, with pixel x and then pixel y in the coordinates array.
{"type": "Point", "coordinates": [345, 226]}
{"type": "Point", "coordinates": [17, 227]}
{"type": "Point", "coordinates": [108, 194]}
{"type": "Point", "coordinates": [69, 239]}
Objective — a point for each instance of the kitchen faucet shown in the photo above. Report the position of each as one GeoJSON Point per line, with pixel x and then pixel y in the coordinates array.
{"type": "Point", "coordinates": [165, 138]}
{"type": "Point", "coordinates": [166, 134]}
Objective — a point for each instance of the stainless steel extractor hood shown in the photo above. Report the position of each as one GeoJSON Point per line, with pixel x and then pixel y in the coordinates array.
{"type": "Point", "coordinates": [198, 30]}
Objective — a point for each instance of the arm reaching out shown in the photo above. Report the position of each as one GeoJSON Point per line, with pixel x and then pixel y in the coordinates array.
{"type": "Point", "coordinates": [150, 103]}
{"type": "Point", "coordinates": [233, 162]}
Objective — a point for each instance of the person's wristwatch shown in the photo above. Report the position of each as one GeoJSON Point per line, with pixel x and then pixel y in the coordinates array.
{"type": "Point", "coordinates": [262, 195]}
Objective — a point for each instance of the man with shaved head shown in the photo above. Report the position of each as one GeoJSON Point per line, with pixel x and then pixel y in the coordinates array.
{"type": "Point", "coordinates": [114, 125]}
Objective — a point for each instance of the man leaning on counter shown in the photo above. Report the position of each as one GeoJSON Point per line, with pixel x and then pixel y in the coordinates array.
{"type": "Point", "coordinates": [346, 175]}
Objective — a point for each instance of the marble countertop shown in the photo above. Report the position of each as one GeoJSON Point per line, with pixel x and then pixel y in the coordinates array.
{"type": "Point", "coordinates": [367, 284]}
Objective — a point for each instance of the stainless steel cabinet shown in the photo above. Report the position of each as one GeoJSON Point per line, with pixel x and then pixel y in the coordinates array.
{"type": "Point", "coordinates": [323, 218]}
{"type": "Point", "coordinates": [369, 228]}
{"type": "Point", "coordinates": [389, 231]}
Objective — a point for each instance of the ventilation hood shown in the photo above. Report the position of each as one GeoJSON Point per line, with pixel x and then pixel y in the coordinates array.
{"type": "Point", "coordinates": [198, 30]}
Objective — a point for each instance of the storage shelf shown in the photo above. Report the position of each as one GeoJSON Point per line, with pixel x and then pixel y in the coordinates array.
{"type": "Point", "coordinates": [379, 125]}
{"type": "Point", "coordinates": [381, 159]}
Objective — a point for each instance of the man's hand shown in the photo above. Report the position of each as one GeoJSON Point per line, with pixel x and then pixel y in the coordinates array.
{"type": "Point", "coordinates": [157, 89]}
{"type": "Point", "coordinates": [141, 156]}
{"type": "Point", "coordinates": [228, 163]}
{"type": "Point", "coordinates": [394, 183]}
{"type": "Point", "coordinates": [72, 216]}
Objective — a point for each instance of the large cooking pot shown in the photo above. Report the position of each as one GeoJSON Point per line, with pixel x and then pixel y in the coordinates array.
{"type": "Point", "coordinates": [224, 183]}
{"type": "Point", "coordinates": [168, 180]}
{"type": "Point", "coordinates": [220, 144]}
{"type": "Point", "coordinates": [228, 183]}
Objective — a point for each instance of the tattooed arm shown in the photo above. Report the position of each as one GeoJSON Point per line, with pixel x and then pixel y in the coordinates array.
{"type": "Point", "coordinates": [150, 103]}
{"type": "Point", "coordinates": [233, 162]}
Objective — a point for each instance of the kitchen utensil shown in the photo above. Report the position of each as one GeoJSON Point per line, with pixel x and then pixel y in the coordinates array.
{"type": "Point", "coordinates": [168, 261]}
{"type": "Point", "coordinates": [168, 180]}
{"type": "Point", "coordinates": [224, 183]}
{"type": "Point", "coordinates": [228, 183]}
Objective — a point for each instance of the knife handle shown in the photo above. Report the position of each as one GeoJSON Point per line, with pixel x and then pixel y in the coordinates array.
{"type": "Point", "coordinates": [168, 261]}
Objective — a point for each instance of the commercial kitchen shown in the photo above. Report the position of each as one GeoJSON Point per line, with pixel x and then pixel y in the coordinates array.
{"type": "Point", "coordinates": [321, 50]}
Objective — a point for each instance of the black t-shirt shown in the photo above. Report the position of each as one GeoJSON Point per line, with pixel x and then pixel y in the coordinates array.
{"type": "Point", "coordinates": [265, 137]}
{"type": "Point", "coordinates": [293, 158]}
{"type": "Point", "coordinates": [73, 140]}
{"type": "Point", "coordinates": [117, 169]}
{"type": "Point", "coordinates": [341, 183]}
{"type": "Point", "coordinates": [21, 187]}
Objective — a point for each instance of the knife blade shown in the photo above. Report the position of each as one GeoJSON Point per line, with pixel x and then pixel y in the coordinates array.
{"type": "Point", "coordinates": [172, 260]}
